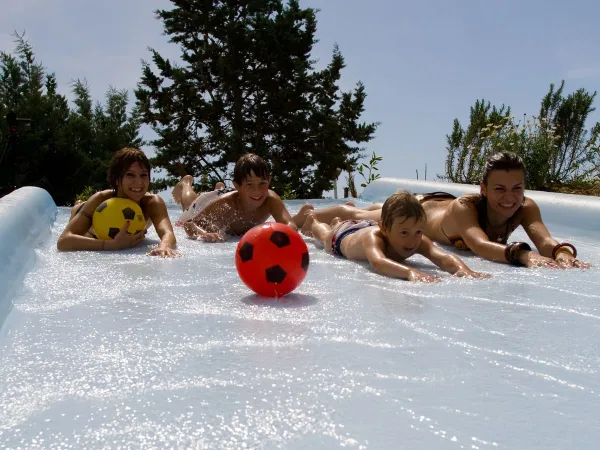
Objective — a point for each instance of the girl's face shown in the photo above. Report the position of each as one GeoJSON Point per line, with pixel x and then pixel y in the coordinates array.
{"type": "Point", "coordinates": [135, 183]}
{"type": "Point", "coordinates": [505, 191]}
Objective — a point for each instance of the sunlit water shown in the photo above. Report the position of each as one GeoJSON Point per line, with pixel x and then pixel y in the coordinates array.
{"type": "Point", "coordinates": [125, 350]}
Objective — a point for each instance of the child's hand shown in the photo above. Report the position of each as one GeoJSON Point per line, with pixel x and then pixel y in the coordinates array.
{"type": "Point", "coordinates": [212, 237]}
{"type": "Point", "coordinates": [468, 273]}
{"type": "Point", "coordinates": [415, 275]}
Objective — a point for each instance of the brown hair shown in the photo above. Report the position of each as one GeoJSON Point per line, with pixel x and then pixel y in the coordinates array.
{"type": "Point", "coordinates": [401, 204]}
{"type": "Point", "coordinates": [250, 163]}
{"type": "Point", "coordinates": [497, 161]}
{"type": "Point", "coordinates": [502, 161]}
{"type": "Point", "coordinates": [122, 161]}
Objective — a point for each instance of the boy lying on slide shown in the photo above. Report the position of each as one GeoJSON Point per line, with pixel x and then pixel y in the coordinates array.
{"type": "Point", "coordinates": [386, 244]}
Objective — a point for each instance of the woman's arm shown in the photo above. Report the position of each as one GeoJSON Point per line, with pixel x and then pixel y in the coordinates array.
{"type": "Point", "coordinates": [465, 218]}
{"type": "Point", "coordinates": [157, 210]}
{"type": "Point", "coordinates": [73, 236]}
{"type": "Point", "coordinates": [540, 236]}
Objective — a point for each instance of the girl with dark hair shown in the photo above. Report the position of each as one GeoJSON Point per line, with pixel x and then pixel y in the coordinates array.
{"type": "Point", "coordinates": [129, 177]}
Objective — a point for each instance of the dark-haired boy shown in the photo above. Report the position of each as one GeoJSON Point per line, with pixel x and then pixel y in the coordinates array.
{"type": "Point", "coordinates": [250, 204]}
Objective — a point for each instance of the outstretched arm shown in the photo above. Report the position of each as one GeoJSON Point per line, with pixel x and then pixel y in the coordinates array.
{"type": "Point", "coordinates": [279, 211]}
{"type": "Point", "coordinates": [157, 210]}
{"type": "Point", "coordinates": [540, 236]}
{"type": "Point", "coordinates": [447, 261]}
{"type": "Point", "coordinates": [374, 251]}
{"type": "Point", "coordinates": [209, 224]}
{"type": "Point", "coordinates": [476, 239]}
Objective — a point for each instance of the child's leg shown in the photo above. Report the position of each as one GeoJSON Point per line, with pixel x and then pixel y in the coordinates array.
{"type": "Point", "coordinates": [184, 193]}
{"type": "Point", "coordinates": [321, 231]}
{"type": "Point", "coordinates": [300, 217]}
{"type": "Point", "coordinates": [345, 212]}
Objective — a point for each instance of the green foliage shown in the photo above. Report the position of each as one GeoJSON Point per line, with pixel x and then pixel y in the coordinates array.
{"type": "Point", "coordinates": [554, 145]}
{"type": "Point", "coordinates": [247, 84]}
{"type": "Point", "coordinates": [61, 149]}
{"type": "Point", "coordinates": [288, 193]}
{"type": "Point", "coordinates": [371, 168]}
{"type": "Point", "coordinates": [87, 192]}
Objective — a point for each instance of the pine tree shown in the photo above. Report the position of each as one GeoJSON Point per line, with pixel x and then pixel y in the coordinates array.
{"type": "Point", "coordinates": [58, 149]}
{"type": "Point", "coordinates": [247, 84]}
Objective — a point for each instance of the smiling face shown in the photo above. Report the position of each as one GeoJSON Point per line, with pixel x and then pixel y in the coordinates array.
{"type": "Point", "coordinates": [505, 191]}
{"type": "Point", "coordinates": [253, 190]}
{"type": "Point", "coordinates": [135, 183]}
{"type": "Point", "coordinates": [405, 235]}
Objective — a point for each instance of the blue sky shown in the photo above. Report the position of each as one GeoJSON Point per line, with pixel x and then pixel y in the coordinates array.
{"type": "Point", "coordinates": [423, 63]}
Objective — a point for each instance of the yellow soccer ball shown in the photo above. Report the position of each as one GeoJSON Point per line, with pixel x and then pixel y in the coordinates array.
{"type": "Point", "coordinates": [111, 215]}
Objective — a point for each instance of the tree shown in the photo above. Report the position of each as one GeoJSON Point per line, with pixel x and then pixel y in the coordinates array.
{"type": "Point", "coordinates": [554, 145]}
{"type": "Point", "coordinates": [59, 149]}
{"type": "Point", "coordinates": [246, 83]}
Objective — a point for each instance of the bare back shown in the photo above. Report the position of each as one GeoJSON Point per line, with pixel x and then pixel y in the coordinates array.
{"type": "Point", "coordinates": [355, 245]}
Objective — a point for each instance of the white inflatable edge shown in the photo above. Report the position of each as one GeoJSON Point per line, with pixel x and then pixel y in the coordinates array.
{"type": "Point", "coordinates": [26, 217]}
{"type": "Point", "coordinates": [576, 211]}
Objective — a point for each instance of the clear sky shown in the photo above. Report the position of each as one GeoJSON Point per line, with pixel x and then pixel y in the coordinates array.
{"type": "Point", "coordinates": [423, 62]}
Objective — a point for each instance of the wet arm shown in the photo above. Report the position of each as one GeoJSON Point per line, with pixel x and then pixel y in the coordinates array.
{"type": "Point", "coordinates": [536, 230]}
{"type": "Point", "coordinates": [280, 212]}
{"type": "Point", "coordinates": [74, 235]}
{"type": "Point", "coordinates": [160, 219]}
{"type": "Point", "coordinates": [446, 261]}
{"type": "Point", "coordinates": [374, 251]}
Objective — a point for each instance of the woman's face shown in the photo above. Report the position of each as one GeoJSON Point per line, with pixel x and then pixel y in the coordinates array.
{"type": "Point", "coordinates": [135, 183]}
{"type": "Point", "coordinates": [505, 191]}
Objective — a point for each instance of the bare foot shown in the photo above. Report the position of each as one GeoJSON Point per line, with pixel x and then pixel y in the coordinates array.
{"type": "Point", "coordinates": [300, 217]}
{"type": "Point", "coordinates": [219, 185]}
{"type": "Point", "coordinates": [178, 189]}
{"type": "Point", "coordinates": [308, 223]}
{"type": "Point", "coordinates": [350, 204]}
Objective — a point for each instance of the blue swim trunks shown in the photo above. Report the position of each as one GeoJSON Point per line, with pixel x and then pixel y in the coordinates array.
{"type": "Point", "coordinates": [346, 228]}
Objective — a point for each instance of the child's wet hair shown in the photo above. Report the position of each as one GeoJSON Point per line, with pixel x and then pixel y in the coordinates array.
{"type": "Point", "coordinates": [401, 204]}
{"type": "Point", "coordinates": [502, 161]}
{"type": "Point", "coordinates": [247, 164]}
{"type": "Point", "coordinates": [122, 161]}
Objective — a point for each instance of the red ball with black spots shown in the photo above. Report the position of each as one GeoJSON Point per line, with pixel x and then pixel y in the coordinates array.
{"type": "Point", "coordinates": [272, 259]}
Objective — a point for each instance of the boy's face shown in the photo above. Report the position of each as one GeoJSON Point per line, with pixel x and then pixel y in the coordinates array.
{"type": "Point", "coordinates": [405, 235]}
{"type": "Point", "coordinates": [253, 190]}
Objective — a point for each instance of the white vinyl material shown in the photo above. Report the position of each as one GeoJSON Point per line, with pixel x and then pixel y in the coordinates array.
{"type": "Point", "coordinates": [124, 350]}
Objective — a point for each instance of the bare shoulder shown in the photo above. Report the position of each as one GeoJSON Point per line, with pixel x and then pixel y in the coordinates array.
{"type": "Point", "coordinates": [529, 204]}
{"type": "Point", "coordinates": [97, 198]}
{"type": "Point", "coordinates": [152, 199]}
{"type": "Point", "coordinates": [373, 236]}
{"type": "Point", "coordinates": [273, 197]}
